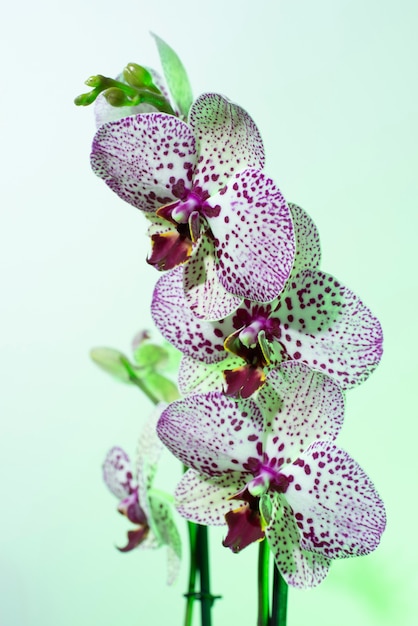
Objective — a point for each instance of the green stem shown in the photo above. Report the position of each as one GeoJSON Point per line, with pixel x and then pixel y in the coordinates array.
{"type": "Point", "coordinates": [190, 595]}
{"type": "Point", "coordinates": [279, 608]}
{"type": "Point", "coordinates": [137, 381]}
{"type": "Point", "coordinates": [263, 583]}
{"type": "Point", "coordinates": [202, 553]}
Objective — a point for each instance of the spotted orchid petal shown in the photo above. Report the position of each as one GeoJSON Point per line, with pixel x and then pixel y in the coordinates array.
{"type": "Point", "coordinates": [136, 538]}
{"type": "Point", "coordinates": [179, 326]}
{"type": "Point", "coordinates": [252, 208]}
{"type": "Point", "coordinates": [307, 244]}
{"type": "Point", "coordinates": [205, 501]}
{"type": "Point", "coordinates": [227, 138]}
{"type": "Point", "coordinates": [212, 433]}
{"type": "Point", "coordinates": [337, 508]}
{"type": "Point", "coordinates": [204, 294]}
{"type": "Point", "coordinates": [298, 567]}
{"type": "Point", "coordinates": [299, 406]}
{"type": "Point", "coordinates": [198, 377]}
{"type": "Point", "coordinates": [149, 451]}
{"type": "Point", "coordinates": [166, 532]}
{"type": "Point", "coordinates": [325, 325]}
{"type": "Point", "coordinates": [148, 159]}
{"type": "Point", "coordinates": [117, 473]}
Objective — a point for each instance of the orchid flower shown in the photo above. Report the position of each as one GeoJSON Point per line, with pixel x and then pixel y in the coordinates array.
{"type": "Point", "coordinates": [270, 469]}
{"type": "Point", "coordinates": [143, 505]}
{"type": "Point", "coordinates": [200, 185]}
{"type": "Point", "coordinates": [315, 320]}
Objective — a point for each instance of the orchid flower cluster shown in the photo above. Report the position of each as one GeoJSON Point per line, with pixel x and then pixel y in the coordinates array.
{"type": "Point", "coordinates": [270, 342]}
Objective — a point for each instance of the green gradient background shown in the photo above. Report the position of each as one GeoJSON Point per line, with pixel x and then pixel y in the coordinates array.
{"type": "Point", "coordinates": [332, 87]}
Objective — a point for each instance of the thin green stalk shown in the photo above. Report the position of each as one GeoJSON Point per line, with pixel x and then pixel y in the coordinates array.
{"type": "Point", "coordinates": [138, 382]}
{"type": "Point", "coordinates": [202, 552]}
{"type": "Point", "coordinates": [263, 583]}
{"type": "Point", "coordinates": [279, 604]}
{"type": "Point", "coordinates": [191, 593]}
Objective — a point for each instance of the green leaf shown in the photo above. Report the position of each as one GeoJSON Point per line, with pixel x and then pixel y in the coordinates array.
{"type": "Point", "coordinates": [114, 363]}
{"type": "Point", "coordinates": [176, 76]}
{"type": "Point", "coordinates": [161, 387]}
{"type": "Point", "coordinates": [150, 355]}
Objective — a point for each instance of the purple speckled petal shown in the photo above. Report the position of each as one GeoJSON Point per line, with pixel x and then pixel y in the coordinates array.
{"type": "Point", "coordinates": [198, 377]}
{"type": "Point", "coordinates": [300, 406]}
{"type": "Point", "coordinates": [299, 568]}
{"type": "Point", "coordinates": [254, 238]}
{"type": "Point", "coordinates": [205, 500]}
{"type": "Point", "coordinates": [328, 327]}
{"type": "Point", "coordinates": [338, 511]}
{"type": "Point", "coordinates": [205, 295]}
{"type": "Point", "coordinates": [227, 141]}
{"type": "Point", "coordinates": [135, 538]}
{"type": "Point", "coordinates": [172, 316]}
{"type": "Point", "coordinates": [166, 531]}
{"type": "Point", "coordinates": [149, 451]}
{"type": "Point", "coordinates": [117, 473]}
{"type": "Point", "coordinates": [148, 159]}
{"type": "Point", "coordinates": [308, 248]}
{"type": "Point", "coordinates": [212, 433]}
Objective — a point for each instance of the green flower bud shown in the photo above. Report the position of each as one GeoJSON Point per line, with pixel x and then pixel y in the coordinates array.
{"type": "Point", "coordinates": [137, 76]}
{"type": "Point", "coordinates": [118, 98]}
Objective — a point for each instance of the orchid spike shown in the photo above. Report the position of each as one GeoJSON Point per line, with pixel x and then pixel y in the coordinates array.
{"type": "Point", "coordinates": [270, 469]}
{"type": "Point", "coordinates": [315, 320]}
{"type": "Point", "coordinates": [201, 186]}
{"type": "Point", "coordinates": [144, 506]}
{"type": "Point", "coordinates": [104, 112]}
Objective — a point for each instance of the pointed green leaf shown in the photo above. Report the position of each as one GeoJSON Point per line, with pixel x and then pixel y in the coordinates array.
{"type": "Point", "coordinates": [161, 387]}
{"type": "Point", "coordinates": [150, 355]}
{"type": "Point", "coordinates": [176, 76]}
{"type": "Point", "coordinates": [114, 363]}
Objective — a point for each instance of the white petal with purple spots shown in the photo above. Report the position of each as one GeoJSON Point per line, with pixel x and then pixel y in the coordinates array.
{"type": "Point", "coordinates": [165, 530]}
{"type": "Point", "coordinates": [212, 433]}
{"type": "Point", "coordinates": [227, 140]}
{"type": "Point", "coordinates": [205, 501]}
{"type": "Point", "coordinates": [298, 567]}
{"type": "Point", "coordinates": [325, 325]}
{"type": "Point", "coordinates": [117, 473]}
{"type": "Point", "coordinates": [338, 511]}
{"type": "Point", "coordinates": [149, 451]}
{"type": "Point", "coordinates": [148, 159]}
{"type": "Point", "coordinates": [300, 406]}
{"type": "Point", "coordinates": [205, 295]}
{"type": "Point", "coordinates": [308, 248]}
{"type": "Point", "coordinates": [193, 336]}
{"type": "Point", "coordinates": [254, 237]}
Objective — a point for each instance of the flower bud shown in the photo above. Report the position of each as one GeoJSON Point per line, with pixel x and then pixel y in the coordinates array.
{"type": "Point", "coordinates": [117, 98]}
{"type": "Point", "coordinates": [137, 76]}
